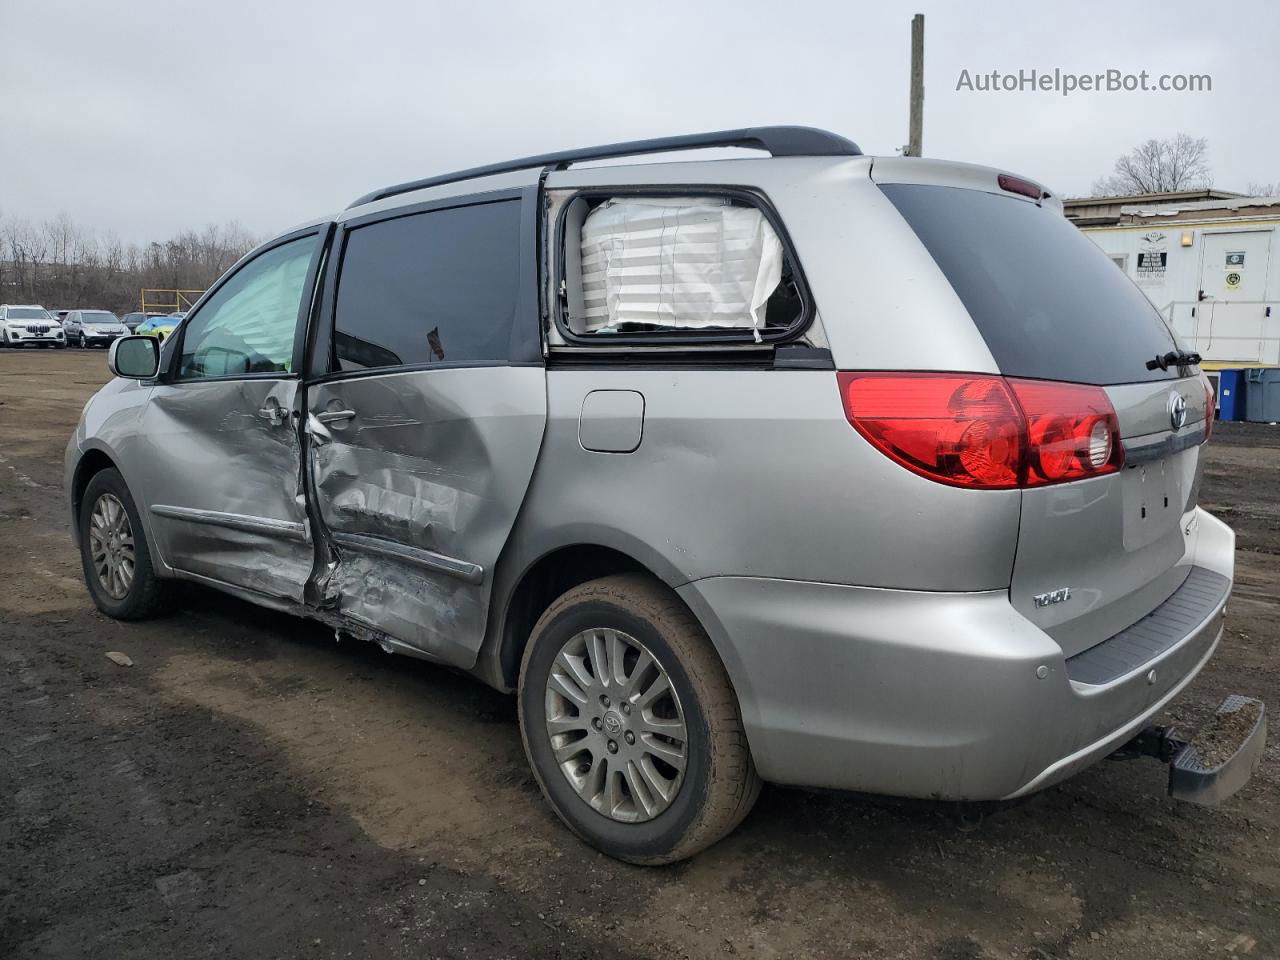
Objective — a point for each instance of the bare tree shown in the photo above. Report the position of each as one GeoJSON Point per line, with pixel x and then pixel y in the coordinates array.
{"type": "Point", "coordinates": [1180, 162]}
{"type": "Point", "coordinates": [61, 265]}
{"type": "Point", "coordinates": [1263, 189]}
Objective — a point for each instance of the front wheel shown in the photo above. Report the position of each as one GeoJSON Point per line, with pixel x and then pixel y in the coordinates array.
{"type": "Point", "coordinates": [114, 552]}
{"type": "Point", "coordinates": [631, 724]}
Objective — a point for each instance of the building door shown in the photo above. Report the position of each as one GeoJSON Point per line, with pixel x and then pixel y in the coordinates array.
{"type": "Point", "coordinates": [1231, 319]}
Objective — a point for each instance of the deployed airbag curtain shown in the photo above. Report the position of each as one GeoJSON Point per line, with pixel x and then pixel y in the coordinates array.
{"type": "Point", "coordinates": [679, 263]}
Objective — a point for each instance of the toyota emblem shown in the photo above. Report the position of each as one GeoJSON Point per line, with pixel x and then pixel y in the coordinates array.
{"type": "Point", "coordinates": [1177, 410]}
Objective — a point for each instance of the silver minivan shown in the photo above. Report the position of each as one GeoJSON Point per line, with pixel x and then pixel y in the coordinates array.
{"type": "Point", "coordinates": [817, 468]}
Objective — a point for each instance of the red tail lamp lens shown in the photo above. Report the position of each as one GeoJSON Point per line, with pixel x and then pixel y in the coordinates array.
{"type": "Point", "coordinates": [990, 432]}
{"type": "Point", "coordinates": [1072, 431]}
{"type": "Point", "coordinates": [962, 430]}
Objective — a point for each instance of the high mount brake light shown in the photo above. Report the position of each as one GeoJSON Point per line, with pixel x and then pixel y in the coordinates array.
{"type": "Point", "coordinates": [1017, 185]}
{"type": "Point", "coordinates": [983, 431]}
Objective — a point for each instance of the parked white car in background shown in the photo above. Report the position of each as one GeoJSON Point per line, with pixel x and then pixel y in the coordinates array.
{"type": "Point", "coordinates": [21, 324]}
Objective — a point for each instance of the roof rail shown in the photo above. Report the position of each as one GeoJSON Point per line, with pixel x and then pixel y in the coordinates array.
{"type": "Point", "coordinates": [778, 141]}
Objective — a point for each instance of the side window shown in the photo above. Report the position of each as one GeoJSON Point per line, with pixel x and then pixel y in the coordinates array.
{"type": "Point", "coordinates": [657, 267]}
{"type": "Point", "coordinates": [434, 287]}
{"type": "Point", "coordinates": [248, 325]}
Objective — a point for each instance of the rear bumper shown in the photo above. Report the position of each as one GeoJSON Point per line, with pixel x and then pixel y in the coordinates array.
{"type": "Point", "coordinates": [954, 696]}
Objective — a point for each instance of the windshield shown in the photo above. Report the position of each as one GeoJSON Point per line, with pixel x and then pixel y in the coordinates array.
{"type": "Point", "coordinates": [1049, 303]}
{"type": "Point", "coordinates": [28, 313]}
{"type": "Point", "coordinates": [99, 317]}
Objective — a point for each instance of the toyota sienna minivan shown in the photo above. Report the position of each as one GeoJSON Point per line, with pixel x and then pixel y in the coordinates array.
{"type": "Point", "coordinates": [813, 468]}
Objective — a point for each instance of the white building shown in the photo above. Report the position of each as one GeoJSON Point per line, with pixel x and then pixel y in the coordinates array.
{"type": "Point", "coordinates": [1208, 259]}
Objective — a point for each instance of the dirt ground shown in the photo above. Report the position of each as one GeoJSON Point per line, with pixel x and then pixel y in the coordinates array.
{"type": "Point", "coordinates": [250, 788]}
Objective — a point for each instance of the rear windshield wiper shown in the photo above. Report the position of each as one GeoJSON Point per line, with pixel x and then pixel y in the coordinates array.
{"type": "Point", "coordinates": [1181, 358]}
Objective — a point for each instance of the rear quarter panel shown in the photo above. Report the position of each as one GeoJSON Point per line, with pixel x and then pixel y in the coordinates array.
{"type": "Point", "coordinates": [755, 473]}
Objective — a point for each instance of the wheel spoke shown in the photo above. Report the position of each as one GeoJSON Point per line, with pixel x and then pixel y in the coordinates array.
{"type": "Point", "coordinates": [558, 725]}
{"type": "Point", "coordinates": [570, 750]}
{"type": "Point", "coordinates": [599, 658]}
{"type": "Point", "coordinates": [617, 649]}
{"type": "Point", "coordinates": [656, 689]}
{"type": "Point", "coordinates": [593, 783]}
{"type": "Point", "coordinates": [613, 796]}
{"type": "Point", "coordinates": [576, 668]}
{"type": "Point", "coordinates": [673, 728]}
{"type": "Point", "coordinates": [659, 785]}
{"type": "Point", "coordinates": [639, 789]}
{"type": "Point", "coordinates": [562, 685]}
{"type": "Point", "coordinates": [664, 751]}
{"type": "Point", "coordinates": [643, 663]}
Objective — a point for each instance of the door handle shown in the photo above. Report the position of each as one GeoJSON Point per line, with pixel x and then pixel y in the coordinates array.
{"type": "Point", "coordinates": [335, 416]}
{"type": "Point", "coordinates": [320, 434]}
{"type": "Point", "coordinates": [273, 413]}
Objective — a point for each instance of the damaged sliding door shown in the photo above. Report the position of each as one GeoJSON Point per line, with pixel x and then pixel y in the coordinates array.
{"type": "Point", "coordinates": [426, 421]}
{"type": "Point", "coordinates": [223, 481]}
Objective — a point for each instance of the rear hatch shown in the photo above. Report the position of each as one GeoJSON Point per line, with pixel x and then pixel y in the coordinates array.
{"type": "Point", "coordinates": [1094, 556]}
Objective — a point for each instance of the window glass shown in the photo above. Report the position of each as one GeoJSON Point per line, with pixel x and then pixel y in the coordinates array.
{"type": "Point", "coordinates": [28, 313]}
{"type": "Point", "coordinates": [1046, 299]}
{"type": "Point", "coordinates": [432, 287]}
{"type": "Point", "coordinates": [248, 325]}
{"type": "Point", "coordinates": [97, 316]}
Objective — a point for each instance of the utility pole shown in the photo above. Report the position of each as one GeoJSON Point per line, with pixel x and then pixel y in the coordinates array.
{"type": "Point", "coordinates": [915, 133]}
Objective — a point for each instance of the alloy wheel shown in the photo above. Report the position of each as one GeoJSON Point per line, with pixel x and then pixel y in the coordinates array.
{"type": "Point", "coordinates": [111, 546]}
{"type": "Point", "coordinates": [616, 726]}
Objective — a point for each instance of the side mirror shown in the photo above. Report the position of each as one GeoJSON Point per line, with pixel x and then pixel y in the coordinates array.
{"type": "Point", "coordinates": [135, 357]}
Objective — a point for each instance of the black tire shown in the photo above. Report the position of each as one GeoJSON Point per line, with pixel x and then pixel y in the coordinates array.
{"type": "Point", "coordinates": [148, 595]}
{"type": "Point", "coordinates": [720, 783]}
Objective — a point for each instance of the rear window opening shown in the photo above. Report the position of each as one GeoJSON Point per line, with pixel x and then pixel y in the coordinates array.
{"type": "Point", "coordinates": [687, 268]}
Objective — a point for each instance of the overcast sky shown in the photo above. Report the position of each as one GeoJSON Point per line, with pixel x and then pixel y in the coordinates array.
{"type": "Point", "coordinates": [150, 116]}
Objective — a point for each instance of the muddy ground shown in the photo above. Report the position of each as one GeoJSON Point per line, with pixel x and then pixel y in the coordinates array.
{"type": "Point", "coordinates": [250, 788]}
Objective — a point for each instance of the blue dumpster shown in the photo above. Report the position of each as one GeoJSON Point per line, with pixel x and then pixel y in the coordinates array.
{"type": "Point", "coordinates": [1262, 394]}
{"type": "Point", "coordinates": [1231, 394]}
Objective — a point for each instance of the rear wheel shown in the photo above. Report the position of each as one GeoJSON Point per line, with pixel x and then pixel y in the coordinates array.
{"type": "Point", "coordinates": [114, 552]}
{"type": "Point", "coordinates": [631, 724]}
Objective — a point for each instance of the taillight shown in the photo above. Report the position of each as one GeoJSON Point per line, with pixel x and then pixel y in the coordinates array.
{"type": "Point", "coordinates": [1072, 431]}
{"type": "Point", "coordinates": [983, 431]}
